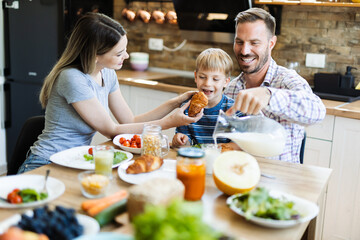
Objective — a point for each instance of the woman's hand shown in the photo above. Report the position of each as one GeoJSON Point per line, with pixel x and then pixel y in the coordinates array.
{"type": "Point", "coordinates": [179, 140]}
{"type": "Point", "coordinates": [184, 97]}
{"type": "Point", "coordinates": [178, 118]}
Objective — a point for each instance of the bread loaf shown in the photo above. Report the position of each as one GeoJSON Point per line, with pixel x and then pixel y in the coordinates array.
{"type": "Point", "coordinates": [157, 191]}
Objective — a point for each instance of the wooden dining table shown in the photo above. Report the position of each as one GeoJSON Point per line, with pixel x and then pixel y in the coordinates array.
{"type": "Point", "coordinates": [308, 182]}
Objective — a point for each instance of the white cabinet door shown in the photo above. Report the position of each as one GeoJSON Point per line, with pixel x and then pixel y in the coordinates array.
{"type": "Point", "coordinates": [342, 216]}
{"type": "Point", "coordinates": [143, 100]}
{"type": "Point", "coordinates": [317, 152]}
{"type": "Point", "coordinates": [125, 91]}
{"type": "Point", "coordinates": [323, 130]}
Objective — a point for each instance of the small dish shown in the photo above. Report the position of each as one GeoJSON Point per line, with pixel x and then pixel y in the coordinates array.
{"type": "Point", "coordinates": [105, 236]}
{"type": "Point", "coordinates": [116, 141]}
{"type": "Point", "coordinates": [93, 185]}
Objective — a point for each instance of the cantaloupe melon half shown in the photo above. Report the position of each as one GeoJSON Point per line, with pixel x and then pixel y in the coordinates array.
{"type": "Point", "coordinates": [236, 172]}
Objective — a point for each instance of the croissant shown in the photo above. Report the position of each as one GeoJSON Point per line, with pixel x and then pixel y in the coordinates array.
{"type": "Point", "coordinates": [226, 147]}
{"type": "Point", "coordinates": [145, 163]}
{"type": "Point", "coordinates": [198, 102]}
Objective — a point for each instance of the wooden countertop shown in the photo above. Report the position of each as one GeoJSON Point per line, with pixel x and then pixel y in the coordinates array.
{"type": "Point", "coordinates": [148, 79]}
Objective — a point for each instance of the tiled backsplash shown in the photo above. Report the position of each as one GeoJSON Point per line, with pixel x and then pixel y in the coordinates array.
{"type": "Point", "coordinates": [333, 31]}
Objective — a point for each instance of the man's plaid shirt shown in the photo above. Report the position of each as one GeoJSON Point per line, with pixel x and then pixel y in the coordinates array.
{"type": "Point", "coordinates": [292, 104]}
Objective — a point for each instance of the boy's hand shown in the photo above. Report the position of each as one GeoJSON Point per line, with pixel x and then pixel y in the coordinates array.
{"type": "Point", "coordinates": [180, 140]}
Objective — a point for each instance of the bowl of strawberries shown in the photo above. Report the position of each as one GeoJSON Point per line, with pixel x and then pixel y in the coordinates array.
{"type": "Point", "coordinates": [129, 142]}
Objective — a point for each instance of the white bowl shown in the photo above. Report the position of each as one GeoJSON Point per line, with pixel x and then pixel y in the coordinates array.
{"type": "Point", "coordinates": [116, 141]}
{"type": "Point", "coordinates": [139, 61]}
{"type": "Point", "coordinates": [139, 66]}
{"type": "Point", "coordinates": [136, 56]}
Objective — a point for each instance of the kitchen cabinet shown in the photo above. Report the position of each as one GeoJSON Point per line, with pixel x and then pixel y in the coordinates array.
{"type": "Point", "coordinates": [318, 152]}
{"type": "Point", "coordinates": [342, 218]}
{"type": "Point", "coordinates": [334, 143]}
{"type": "Point", "coordinates": [141, 100]}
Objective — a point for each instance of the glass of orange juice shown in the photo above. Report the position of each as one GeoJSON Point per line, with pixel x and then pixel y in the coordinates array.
{"type": "Point", "coordinates": [191, 170]}
{"type": "Point", "coordinates": [104, 157]}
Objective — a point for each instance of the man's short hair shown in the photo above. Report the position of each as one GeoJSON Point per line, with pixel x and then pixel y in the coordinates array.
{"type": "Point", "coordinates": [255, 14]}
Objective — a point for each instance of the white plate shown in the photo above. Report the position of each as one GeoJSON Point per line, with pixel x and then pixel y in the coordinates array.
{"type": "Point", "coordinates": [167, 170]}
{"type": "Point", "coordinates": [8, 183]}
{"type": "Point", "coordinates": [106, 236]}
{"type": "Point", "coordinates": [308, 210]}
{"type": "Point", "coordinates": [74, 158]}
{"type": "Point", "coordinates": [128, 149]}
{"type": "Point", "coordinates": [91, 226]}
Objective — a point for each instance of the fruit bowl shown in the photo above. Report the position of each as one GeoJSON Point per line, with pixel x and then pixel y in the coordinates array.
{"type": "Point", "coordinates": [116, 141]}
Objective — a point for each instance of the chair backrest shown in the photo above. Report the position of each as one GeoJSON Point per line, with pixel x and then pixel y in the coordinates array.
{"type": "Point", "coordinates": [29, 133]}
{"type": "Point", "coordinates": [302, 149]}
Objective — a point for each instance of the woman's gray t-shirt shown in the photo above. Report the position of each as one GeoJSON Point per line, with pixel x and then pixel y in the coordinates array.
{"type": "Point", "coordinates": [64, 128]}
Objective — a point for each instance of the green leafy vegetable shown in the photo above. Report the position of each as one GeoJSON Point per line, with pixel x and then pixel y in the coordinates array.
{"type": "Point", "coordinates": [89, 157]}
{"type": "Point", "coordinates": [177, 221]}
{"type": "Point", "coordinates": [118, 157]}
{"type": "Point", "coordinates": [259, 203]}
{"type": "Point", "coordinates": [31, 195]}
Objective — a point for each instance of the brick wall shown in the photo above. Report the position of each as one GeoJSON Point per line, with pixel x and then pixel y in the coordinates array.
{"type": "Point", "coordinates": [334, 31]}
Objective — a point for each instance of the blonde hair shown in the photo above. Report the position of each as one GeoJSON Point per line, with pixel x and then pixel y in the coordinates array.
{"type": "Point", "coordinates": [94, 34]}
{"type": "Point", "coordinates": [215, 59]}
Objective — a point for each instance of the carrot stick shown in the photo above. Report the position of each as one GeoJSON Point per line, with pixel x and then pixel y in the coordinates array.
{"type": "Point", "coordinates": [86, 205]}
{"type": "Point", "coordinates": [104, 204]}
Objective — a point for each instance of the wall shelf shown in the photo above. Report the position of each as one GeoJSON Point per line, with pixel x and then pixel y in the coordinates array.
{"type": "Point", "coordinates": [318, 3]}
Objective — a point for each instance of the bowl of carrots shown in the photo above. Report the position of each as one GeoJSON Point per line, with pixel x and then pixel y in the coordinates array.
{"type": "Point", "coordinates": [93, 185]}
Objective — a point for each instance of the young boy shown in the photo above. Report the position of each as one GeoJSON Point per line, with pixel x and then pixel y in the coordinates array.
{"type": "Point", "coordinates": [212, 74]}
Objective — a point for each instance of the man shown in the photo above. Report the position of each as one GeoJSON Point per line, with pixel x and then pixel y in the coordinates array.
{"type": "Point", "coordinates": [263, 86]}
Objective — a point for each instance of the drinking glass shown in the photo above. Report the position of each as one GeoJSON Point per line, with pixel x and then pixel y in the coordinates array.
{"type": "Point", "coordinates": [212, 151]}
{"type": "Point", "coordinates": [104, 157]}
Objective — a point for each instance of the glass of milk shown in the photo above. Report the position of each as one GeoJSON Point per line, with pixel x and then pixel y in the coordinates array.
{"type": "Point", "coordinates": [104, 157]}
{"type": "Point", "coordinates": [212, 151]}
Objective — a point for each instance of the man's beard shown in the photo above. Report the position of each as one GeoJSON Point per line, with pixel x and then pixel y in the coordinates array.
{"type": "Point", "coordinates": [258, 67]}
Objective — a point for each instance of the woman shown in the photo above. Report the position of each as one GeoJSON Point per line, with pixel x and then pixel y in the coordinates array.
{"type": "Point", "coordinates": [83, 86]}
